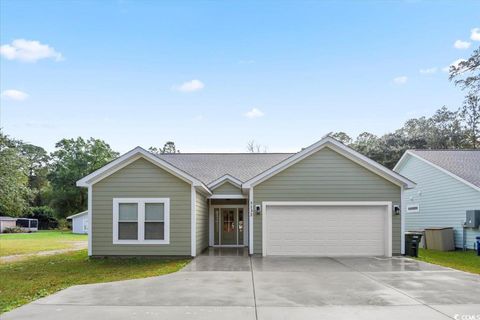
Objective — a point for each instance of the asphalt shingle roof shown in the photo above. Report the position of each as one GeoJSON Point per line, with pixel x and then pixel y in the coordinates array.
{"type": "Point", "coordinates": [208, 167]}
{"type": "Point", "coordinates": [462, 163]}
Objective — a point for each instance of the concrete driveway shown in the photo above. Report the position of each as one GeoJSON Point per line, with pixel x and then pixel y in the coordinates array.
{"type": "Point", "coordinates": [228, 284]}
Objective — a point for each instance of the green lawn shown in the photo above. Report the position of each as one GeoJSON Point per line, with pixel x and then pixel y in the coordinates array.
{"type": "Point", "coordinates": [25, 281]}
{"type": "Point", "coordinates": [21, 243]}
{"type": "Point", "coordinates": [461, 260]}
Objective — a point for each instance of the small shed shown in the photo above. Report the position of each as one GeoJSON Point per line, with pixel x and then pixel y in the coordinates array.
{"type": "Point", "coordinates": [7, 222]}
{"type": "Point", "coordinates": [79, 222]}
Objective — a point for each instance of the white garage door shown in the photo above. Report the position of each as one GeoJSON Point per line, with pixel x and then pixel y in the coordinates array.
{"type": "Point", "coordinates": [320, 230]}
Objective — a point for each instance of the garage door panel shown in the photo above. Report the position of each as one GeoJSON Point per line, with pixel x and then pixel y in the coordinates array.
{"type": "Point", "coordinates": [325, 230]}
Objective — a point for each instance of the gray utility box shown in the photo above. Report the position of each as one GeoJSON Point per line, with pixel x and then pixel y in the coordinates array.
{"type": "Point", "coordinates": [473, 219]}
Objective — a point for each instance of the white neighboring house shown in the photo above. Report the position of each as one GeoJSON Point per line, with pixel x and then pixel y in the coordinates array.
{"type": "Point", "coordinates": [79, 222]}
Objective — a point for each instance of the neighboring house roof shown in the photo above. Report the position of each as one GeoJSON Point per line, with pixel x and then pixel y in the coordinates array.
{"type": "Point", "coordinates": [209, 167]}
{"type": "Point", "coordinates": [77, 215]}
{"type": "Point", "coordinates": [462, 164]}
{"type": "Point", "coordinates": [5, 218]}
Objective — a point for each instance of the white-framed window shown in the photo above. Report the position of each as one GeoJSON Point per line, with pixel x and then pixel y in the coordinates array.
{"type": "Point", "coordinates": [141, 220]}
{"type": "Point", "coordinates": [413, 208]}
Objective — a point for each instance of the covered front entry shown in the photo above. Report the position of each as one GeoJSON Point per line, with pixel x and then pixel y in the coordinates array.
{"type": "Point", "coordinates": [228, 225]}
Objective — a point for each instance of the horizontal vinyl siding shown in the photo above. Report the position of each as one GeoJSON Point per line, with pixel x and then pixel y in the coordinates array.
{"type": "Point", "coordinates": [141, 179]}
{"type": "Point", "coordinates": [443, 200]}
{"type": "Point", "coordinates": [202, 222]}
{"type": "Point", "coordinates": [326, 176]}
{"type": "Point", "coordinates": [227, 188]}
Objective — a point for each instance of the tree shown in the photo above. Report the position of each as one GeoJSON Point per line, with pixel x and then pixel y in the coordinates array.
{"type": "Point", "coordinates": [342, 137]}
{"type": "Point", "coordinates": [72, 160]}
{"type": "Point", "coordinates": [37, 167]}
{"type": "Point", "coordinates": [470, 113]}
{"type": "Point", "coordinates": [466, 74]}
{"type": "Point", "coordinates": [254, 147]}
{"type": "Point", "coordinates": [14, 192]}
{"type": "Point", "coordinates": [168, 147]}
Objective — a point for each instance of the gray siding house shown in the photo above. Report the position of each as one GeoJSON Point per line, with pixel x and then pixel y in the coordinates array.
{"type": "Point", "coordinates": [326, 200]}
{"type": "Point", "coordinates": [448, 184]}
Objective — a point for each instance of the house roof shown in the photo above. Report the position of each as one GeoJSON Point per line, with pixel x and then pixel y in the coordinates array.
{"type": "Point", "coordinates": [5, 218]}
{"type": "Point", "coordinates": [249, 169]}
{"type": "Point", "coordinates": [77, 215]}
{"type": "Point", "coordinates": [462, 163]}
{"type": "Point", "coordinates": [208, 167]}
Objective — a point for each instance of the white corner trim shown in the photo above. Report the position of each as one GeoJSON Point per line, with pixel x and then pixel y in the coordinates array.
{"type": "Point", "coordinates": [227, 196]}
{"type": "Point", "coordinates": [141, 220]}
{"type": "Point", "coordinates": [90, 223]}
{"type": "Point", "coordinates": [211, 224]}
{"type": "Point", "coordinates": [437, 167]}
{"type": "Point", "coordinates": [402, 220]}
{"type": "Point", "coordinates": [340, 148]}
{"type": "Point", "coordinates": [388, 221]}
{"type": "Point", "coordinates": [225, 178]}
{"type": "Point", "coordinates": [194, 222]}
{"type": "Point", "coordinates": [132, 156]}
{"type": "Point", "coordinates": [250, 221]}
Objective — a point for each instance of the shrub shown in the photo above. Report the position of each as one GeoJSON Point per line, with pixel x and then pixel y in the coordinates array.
{"type": "Point", "coordinates": [13, 230]}
{"type": "Point", "coordinates": [46, 217]}
{"type": "Point", "coordinates": [63, 225]}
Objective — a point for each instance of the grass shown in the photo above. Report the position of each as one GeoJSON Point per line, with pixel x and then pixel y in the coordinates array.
{"type": "Point", "coordinates": [22, 243]}
{"type": "Point", "coordinates": [460, 260]}
{"type": "Point", "coordinates": [25, 281]}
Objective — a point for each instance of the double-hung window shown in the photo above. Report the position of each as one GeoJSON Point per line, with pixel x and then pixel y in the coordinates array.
{"type": "Point", "coordinates": [141, 220]}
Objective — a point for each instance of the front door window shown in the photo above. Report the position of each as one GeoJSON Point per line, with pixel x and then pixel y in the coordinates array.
{"type": "Point", "coordinates": [228, 226]}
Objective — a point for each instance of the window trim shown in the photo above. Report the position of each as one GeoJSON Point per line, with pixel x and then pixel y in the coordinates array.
{"type": "Point", "coordinates": [407, 209]}
{"type": "Point", "coordinates": [141, 220]}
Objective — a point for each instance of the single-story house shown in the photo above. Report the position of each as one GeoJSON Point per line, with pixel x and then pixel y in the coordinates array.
{"type": "Point", "coordinates": [448, 184]}
{"type": "Point", "coordinates": [7, 222]}
{"type": "Point", "coordinates": [79, 222]}
{"type": "Point", "coordinates": [325, 200]}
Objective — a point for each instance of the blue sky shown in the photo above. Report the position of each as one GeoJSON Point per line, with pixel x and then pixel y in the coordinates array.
{"type": "Point", "coordinates": [212, 75]}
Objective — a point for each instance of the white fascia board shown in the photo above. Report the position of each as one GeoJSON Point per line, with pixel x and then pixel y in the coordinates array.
{"type": "Point", "coordinates": [225, 178]}
{"type": "Point", "coordinates": [132, 156]}
{"type": "Point", "coordinates": [439, 168]}
{"type": "Point", "coordinates": [338, 147]}
{"type": "Point", "coordinates": [228, 196]}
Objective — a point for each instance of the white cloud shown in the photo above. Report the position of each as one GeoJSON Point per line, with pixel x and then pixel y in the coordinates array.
{"type": "Point", "coordinates": [454, 63]}
{"type": "Point", "coordinates": [429, 70]}
{"type": "Point", "coordinates": [475, 35]}
{"type": "Point", "coordinates": [190, 86]}
{"type": "Point", "coordinates": [29, 51]}
{"type": "Point", "coordinates": [462, 45]}
{"type": "Point", "coordinates": [400, 80]}
{"type": "Point", "coordinates": [15, 95]}
{"type": "Point", "coordinates": [254, 113]}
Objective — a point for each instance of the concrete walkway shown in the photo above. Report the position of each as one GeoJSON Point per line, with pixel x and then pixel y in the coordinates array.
{"type": "Point", "coordinates": [228, 284]}
{"type": "Point", "coordinates": [76, 245]}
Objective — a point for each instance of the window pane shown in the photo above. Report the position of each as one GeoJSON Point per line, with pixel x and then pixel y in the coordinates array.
{"type": "Point", "coordinates": [154, 211]}
{"type": "Point", "coordinates": [154, 231]}
{"type": "Point", "coordinates": [128, 212]}
{"type": "Point", "coordinates": [127, 230]}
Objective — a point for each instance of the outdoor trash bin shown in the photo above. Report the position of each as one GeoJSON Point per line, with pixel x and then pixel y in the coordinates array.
{"type": "Point", "coordinates": [412, 240]}
{"type": "Point", "coordinates": [478, 246]}
{"type": "Point", "coordinates": [441, 239]}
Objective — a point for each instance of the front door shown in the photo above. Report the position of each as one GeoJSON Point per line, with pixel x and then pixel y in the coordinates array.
{"type": "Point", "coordinates": [229, 226]}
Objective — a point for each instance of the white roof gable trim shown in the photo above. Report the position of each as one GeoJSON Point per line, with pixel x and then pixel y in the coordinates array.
{"type": "Point", "coordinates": [340, 148]}
{"type": "Point", "coordinates": [77, 215]}
{"type": "Point", "coordinates": [132, 156]}
{"type": "Point", "coordinates": [225, 178]}
{"type": "Point", "coordinates": [403, 160]}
